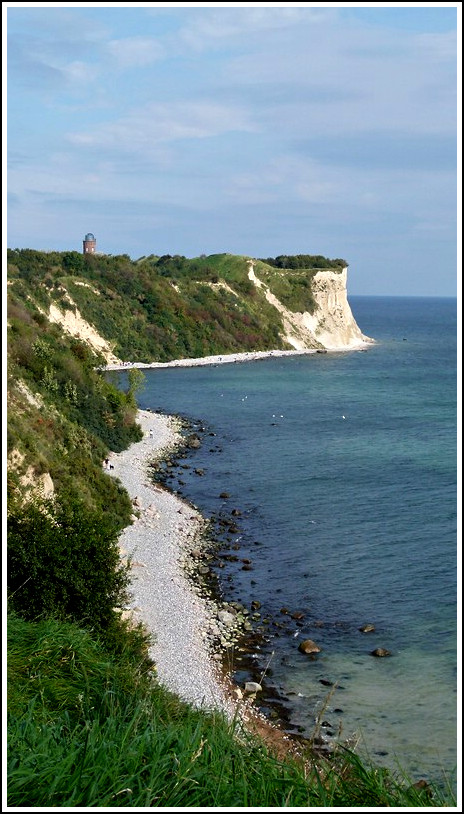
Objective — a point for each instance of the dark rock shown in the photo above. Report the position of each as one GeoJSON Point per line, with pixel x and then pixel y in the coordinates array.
{"type": "Point", "coordinates": [224, 495]}
{"type": "Point", "coordinates": [308, 646]}
{"type": "Point", "coordinates": [297, 615]}
{"type": "Point", "coordinates": [380, 652]}
{"type": "Point", "coordinates": [369, 628]}
{"type": "Point", "coordinates": [193, 442]}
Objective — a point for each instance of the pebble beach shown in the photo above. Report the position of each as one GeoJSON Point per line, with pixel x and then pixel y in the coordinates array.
{"type": "Point", "coordinates": [192, 634]}
{"type": "Point", "coordinates": [189, 633]}
{"type": "Point", "coordinates": [164, 529]}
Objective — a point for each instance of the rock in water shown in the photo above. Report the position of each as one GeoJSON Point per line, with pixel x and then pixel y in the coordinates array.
{"type": "Point", "coordinates": [308, 646]}
{"type": "Point", "coordinates": [369, 628]}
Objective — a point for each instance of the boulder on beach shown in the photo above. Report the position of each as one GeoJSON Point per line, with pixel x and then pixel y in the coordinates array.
{"type": "Point", "coordinates": [308, 646]}
{"type": "Point", "coordinates": [253, 686]}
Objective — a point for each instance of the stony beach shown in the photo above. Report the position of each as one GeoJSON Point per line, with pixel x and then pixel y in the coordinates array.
{"type": "Point", "coordinates": [164, 530]}
{"type": "Point", "coordinates": [229, 358]}
{"type": "Point", "coordinates": [190, 633]}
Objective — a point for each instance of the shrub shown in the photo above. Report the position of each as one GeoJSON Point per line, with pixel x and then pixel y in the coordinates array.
{"type": "Point", "coordinates": [63, 562]}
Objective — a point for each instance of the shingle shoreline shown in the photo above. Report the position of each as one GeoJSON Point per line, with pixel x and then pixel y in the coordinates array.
{"type": "Point", "coordinates": [165, 528]}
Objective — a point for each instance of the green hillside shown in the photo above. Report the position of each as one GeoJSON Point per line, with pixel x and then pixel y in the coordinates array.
{"type": "Point", "coordinates": [170, 307]}
{"type": "Point", "coordinates": [88, 724]}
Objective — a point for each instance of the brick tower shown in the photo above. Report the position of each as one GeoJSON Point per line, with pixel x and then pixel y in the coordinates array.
{"type": "Point", "coordinates": [89, 244]}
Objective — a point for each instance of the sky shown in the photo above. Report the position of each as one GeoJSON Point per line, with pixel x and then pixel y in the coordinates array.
{"type": "Point", "coordinates": [256, 129]}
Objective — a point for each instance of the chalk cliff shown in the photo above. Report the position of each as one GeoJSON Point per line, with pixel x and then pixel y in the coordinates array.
{"type": "Point", "coordinates": [331, 326]}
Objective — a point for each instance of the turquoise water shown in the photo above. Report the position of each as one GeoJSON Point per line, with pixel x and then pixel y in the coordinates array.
{"type": "Point", "coordinates": [348, 520]}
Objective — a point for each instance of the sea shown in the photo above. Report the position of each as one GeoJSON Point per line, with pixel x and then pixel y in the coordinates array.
{"type": "Point", "coordinates": [340, 471]}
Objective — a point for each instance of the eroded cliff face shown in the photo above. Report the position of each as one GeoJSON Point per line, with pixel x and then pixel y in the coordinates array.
{"type": "Point", "coordinates": [332, 326]}
{"type": "Point", "coordinates": [73, 323]}
{"type": "Point", "coordinates": [333, 323]}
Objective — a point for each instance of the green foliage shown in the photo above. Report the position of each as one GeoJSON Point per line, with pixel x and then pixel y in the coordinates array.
{"type": "Point", "coordinates": [73, 262]}
{"type": "Point", "coordinates": [162, 308]}
{"type": "Point", "coordinates": [63, 561]}
{"type": "Point", "coordinates": [86, 729]}
{"type": "Point", "coordinates": [136, 381]}
{"type": "Point", "coordinates": [294, 290]}
{"type": "Point", "coordinates": [305, 261]}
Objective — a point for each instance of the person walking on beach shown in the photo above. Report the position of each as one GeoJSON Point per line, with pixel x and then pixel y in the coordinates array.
{"type": "Point", "coordinates": [151, 433]}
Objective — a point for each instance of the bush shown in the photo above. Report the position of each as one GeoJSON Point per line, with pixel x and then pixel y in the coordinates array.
{"type": "Point", "coordinates": [63, 562]}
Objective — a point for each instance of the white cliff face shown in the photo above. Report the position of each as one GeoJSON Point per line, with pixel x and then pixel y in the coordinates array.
{"type": "Point", "coordinates": [332, 326]}
{"type": "Point", "coordinates": [73, 323]}
{"type": "Point", "coordinates": [333, 323]}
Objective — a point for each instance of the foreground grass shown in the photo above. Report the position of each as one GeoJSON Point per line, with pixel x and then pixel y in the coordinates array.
{"type": "Point", "coordinates": [86, 729]}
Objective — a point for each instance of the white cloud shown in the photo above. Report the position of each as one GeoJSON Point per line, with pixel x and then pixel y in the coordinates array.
{"type": "Point", "coordinates": [81, 72]}
{"type": "Point", "coordinates": [136, 52]}
{"type": "Point", "coordinates": [171, 121]}
{"type": "Point", "coordinates": [287, 179]}
{"type": "Point", "coordinates": [210, 29]}
{"type": "Point", "coordinates": [367, 80]}
{"type": "Point", "coordinates": [436, 48]}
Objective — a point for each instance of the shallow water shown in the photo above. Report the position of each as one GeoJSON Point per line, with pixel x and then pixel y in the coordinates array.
{"type": "Point", "coordinates": [343, 467]}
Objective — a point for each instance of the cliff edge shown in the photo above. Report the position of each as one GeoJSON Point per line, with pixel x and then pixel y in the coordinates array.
{"type": "Point", "coordinates": [331, 326]}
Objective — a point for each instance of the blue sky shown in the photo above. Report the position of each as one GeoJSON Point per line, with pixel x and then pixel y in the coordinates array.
{"type": "Point", "coordinates": [252, 129]}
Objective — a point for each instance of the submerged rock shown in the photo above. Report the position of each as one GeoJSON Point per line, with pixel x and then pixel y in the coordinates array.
{"type": "Point", "coordinates": [308, 646]}
{"type": "Point", "coordinates": [380, 652]}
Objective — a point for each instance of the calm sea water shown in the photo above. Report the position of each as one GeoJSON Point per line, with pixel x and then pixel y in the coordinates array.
{"type": "Point", "coordinates": [344, 468]}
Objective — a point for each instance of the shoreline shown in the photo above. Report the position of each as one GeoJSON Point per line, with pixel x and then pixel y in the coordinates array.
{"type": "Point", "coordinates": [164, 529]}
{"type": "Point", "coordinates": [186, 628]}
{"type": "Point", "coordinates": [228, 358]}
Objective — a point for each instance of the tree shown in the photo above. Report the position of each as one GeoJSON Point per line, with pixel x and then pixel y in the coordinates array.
{"type": "Point", "coordinates": [136, 381]}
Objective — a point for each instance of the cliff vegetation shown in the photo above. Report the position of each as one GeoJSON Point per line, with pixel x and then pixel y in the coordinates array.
{"type": "Point", "coordinates": [169, 307]}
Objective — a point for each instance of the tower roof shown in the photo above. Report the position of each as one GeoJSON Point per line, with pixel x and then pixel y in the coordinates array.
{"type": "Point", "coordinates": [89, 236]}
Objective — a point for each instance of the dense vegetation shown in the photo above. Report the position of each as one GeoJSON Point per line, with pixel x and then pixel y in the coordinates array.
{"type": "Point", "coordinates": [161, 308]}
{"type": "Point", "coordinates": [88, 725]}
{"type": "Point", "coordinates": [305, 261]}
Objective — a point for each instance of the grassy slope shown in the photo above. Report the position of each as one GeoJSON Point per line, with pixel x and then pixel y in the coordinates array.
{"type": "Point", "coordinates": [89, 730]}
